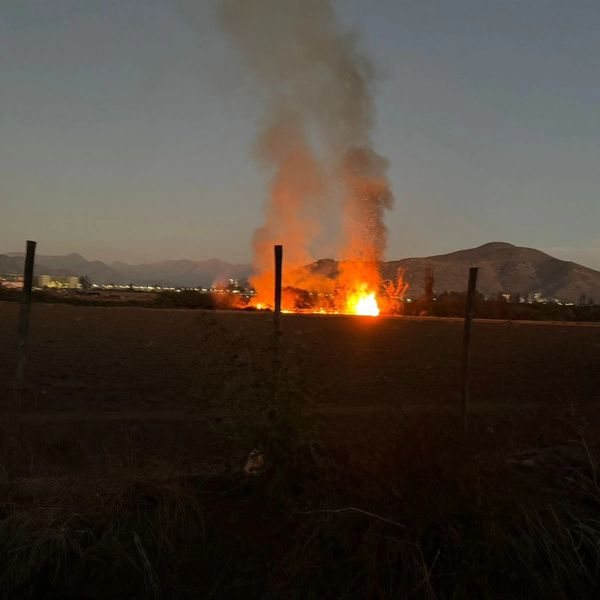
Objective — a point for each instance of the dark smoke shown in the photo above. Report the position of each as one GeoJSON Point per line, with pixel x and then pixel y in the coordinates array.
{"type": "Point", "coordinates": [315, 133]}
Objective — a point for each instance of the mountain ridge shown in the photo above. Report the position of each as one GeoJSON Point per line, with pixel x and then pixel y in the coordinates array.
{"type": "Point", "coordinates": [503, 268]}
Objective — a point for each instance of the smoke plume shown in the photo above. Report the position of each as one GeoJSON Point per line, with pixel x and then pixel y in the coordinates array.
{"type": "Point", "coordinates": [315, 135]}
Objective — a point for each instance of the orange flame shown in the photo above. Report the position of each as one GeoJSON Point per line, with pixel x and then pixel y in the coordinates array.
{"type": "Point", "coordinates": [354, 288]}
{"type": "Point", "coordinates": [362, 303]}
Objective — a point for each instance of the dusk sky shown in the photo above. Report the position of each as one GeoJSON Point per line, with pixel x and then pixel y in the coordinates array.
{"type": "Point", "coordinates": [127, 127]}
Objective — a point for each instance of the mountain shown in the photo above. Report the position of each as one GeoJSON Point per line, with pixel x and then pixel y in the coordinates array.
{"type": "Point", "coordinates": [503, 268]}
{"type": "Point", "coordinates": [60, 266]}
{"type": "Point", "coordinates": [10, 264]}
{"type": "Point", "coordinates": [182, 272]}
{"type": "Point", "coordinates": [167, 273]}
{"type": "Point", "coordinates": [75, 264]}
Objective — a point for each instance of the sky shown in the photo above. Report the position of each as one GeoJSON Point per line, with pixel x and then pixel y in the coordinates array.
{"type": "Point", "coordinates": [127, 128]}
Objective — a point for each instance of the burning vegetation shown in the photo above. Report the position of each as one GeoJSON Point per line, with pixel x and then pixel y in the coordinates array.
{"type": "Point", "coordinates": [315, 139]}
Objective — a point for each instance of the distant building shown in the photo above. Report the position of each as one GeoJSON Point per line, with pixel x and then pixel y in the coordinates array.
{"type": "Point", "coordinates": [13, 282]}
{"type": "Point", "coordinates": [538, 297]}
{"type": "Point", "coordinates": [47, 281]}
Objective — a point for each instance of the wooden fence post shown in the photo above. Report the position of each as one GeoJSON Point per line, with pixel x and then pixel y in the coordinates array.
{"type": "Point", "coordinates": [12, 421]}
{"type": "Point", "coordinates": [278, 265]}
{"type": "Point", "coordinates": [466, 347]}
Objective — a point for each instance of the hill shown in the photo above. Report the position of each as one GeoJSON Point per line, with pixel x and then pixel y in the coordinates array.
{"type": "Point", "coordinates": [166, 273]}
{"type": "Point", "coordinates": [182, 272]}
{"type": "Point", "coordinates": [60, 266]}
{"type": "Point", "coordinates": [10, 264]}
{"type": "Point", "coordinates": [503, 268]}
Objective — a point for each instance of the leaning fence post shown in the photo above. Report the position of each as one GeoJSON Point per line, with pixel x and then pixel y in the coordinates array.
{"type": "Point", "coordinates": [11, 432]}
{"type": "Point", "coordinates": [466, 347]}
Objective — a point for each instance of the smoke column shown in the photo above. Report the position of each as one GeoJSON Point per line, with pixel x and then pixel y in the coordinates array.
{"type": "Point", "coordinates": [315, 135]}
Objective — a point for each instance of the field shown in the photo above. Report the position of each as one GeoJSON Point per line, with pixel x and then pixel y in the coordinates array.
{"type": "Point", "coordinates": [122, 359]}
{"type": "Point", "coordinates": [354, 420]}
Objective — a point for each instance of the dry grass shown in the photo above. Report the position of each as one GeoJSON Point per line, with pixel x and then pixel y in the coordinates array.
{"type": "Point", "coordinates": [370, 508]}
{"type": "Point", "coordinates": [441, 516]}
{"type": "Point", "coordinates": [94, 537]}
{"type": "Point", "coordinates": [423, 513]}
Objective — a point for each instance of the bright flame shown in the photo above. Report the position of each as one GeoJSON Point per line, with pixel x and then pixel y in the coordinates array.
{"type": "Point", "coordinates": [362, 303]}
{"type": "Point", "coordinates": [354, 292]}
{"type": "Point", "coordinates": [367, 306]}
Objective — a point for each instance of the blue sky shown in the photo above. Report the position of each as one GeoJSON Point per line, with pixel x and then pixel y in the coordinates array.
{"type": "Point", "coordinates": [126, 128]}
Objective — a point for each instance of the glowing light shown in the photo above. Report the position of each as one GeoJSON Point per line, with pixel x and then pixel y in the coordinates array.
{"type": "Point", "coordinates": [355, 299]}
{"type": "Point", "coordinates": [367, 306]}
{"type": "Point", "coordinates": [362, 303]}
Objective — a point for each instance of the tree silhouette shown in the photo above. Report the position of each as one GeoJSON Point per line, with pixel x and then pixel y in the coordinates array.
{"type": "Point", "coordinates": [428, 285]}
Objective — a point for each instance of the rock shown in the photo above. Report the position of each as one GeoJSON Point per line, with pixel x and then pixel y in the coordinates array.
{"type": "Point", "coordinates": [255, 463]}
{"type": "Point", "coordinates": [528, 463]}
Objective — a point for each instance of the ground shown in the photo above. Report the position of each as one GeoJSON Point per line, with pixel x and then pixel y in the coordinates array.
{"type": "Point", "coordinates": [122, 359]}
{"type": "Point", "coordinates": [132, 418]}
{"type": "Point", "coordinates": [122, 369]}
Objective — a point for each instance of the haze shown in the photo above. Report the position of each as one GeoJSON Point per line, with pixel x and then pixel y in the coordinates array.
{"type": "Point", "coordinates": [127, 128]}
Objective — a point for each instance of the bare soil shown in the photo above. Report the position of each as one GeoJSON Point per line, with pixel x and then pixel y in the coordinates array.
{"type": "Point", "coordinates": [139, 359]}
{"type": "Point", "coordinates": [107, 380]}
{"type": "Point", "coordinates": [115, 393]}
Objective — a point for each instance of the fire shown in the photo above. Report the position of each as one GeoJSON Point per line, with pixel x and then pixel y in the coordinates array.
{"type": "Point", "coordinates": [329, 188]}
{"type": "Point", "coordinates": [367, 305]}
{"type": "Point", "coordinates": [353, 288]}
{"type": "Point", "coordinates": [362, 303]}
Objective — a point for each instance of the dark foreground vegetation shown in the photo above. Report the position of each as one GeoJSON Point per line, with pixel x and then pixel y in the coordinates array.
{"type": "Point", "coordinates": [300, 505]}
{"type": "Point", "coordinates": [426, 514]}
{"type": "Point", "coordinates": [434, 517]}
{"type": "Point", "coordinates": [445, 305]}
{"type": "Point", "coordinates": [453, 305]}
{"type": "Point", "coordinates": [224, 300]}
